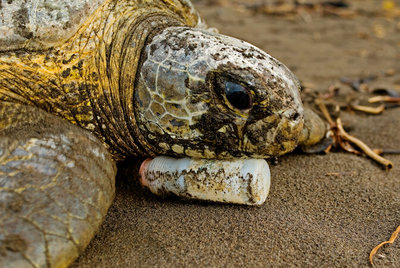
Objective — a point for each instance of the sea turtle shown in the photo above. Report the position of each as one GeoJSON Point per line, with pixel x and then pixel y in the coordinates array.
{"type": "Point", "coordinates": [85, 83]}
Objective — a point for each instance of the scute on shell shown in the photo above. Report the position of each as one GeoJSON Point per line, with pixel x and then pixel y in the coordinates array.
{"type": "Point", "coordinates": [39, 24]}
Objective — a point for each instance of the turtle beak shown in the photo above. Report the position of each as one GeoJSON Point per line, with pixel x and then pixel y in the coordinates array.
{"type": "Point", "coordinates": [274, 135]}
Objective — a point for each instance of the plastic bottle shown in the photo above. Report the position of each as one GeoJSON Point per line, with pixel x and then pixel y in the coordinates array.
{"type": "Point", "coordinates": [241, 181]}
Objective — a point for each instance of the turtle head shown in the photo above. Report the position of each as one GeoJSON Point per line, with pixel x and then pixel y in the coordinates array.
{"type": "Point", "coordinates": [206, 95]}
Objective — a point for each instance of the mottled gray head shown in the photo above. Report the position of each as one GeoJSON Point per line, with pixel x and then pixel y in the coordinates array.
{"type": "Point", "coordinates": [207, 95]}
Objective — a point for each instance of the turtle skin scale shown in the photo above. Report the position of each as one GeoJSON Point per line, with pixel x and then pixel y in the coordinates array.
{"type": "Point", "coordinates": [71, 80]}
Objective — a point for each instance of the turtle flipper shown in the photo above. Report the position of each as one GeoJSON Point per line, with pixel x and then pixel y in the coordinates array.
{"type": "Point", "coordinates": [56, 185]}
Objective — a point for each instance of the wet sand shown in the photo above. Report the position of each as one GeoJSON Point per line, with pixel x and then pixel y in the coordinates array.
{"type": "Point", "coordinates": [323, 210]}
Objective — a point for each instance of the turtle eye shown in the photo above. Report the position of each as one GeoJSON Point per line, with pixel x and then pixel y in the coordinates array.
{"type": "Point", "coordinates": [238, 96]}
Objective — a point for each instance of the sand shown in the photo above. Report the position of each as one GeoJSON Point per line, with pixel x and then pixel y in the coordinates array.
{"type": "Point", "coordinates": [323, 210]}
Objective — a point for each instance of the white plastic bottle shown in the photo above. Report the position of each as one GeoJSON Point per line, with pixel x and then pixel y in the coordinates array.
{"type": "Point", "coordinates": [242, 181]}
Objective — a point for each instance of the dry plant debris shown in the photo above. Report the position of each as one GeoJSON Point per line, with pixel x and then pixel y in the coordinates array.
{"type": "Point", "coordinates": [305, 9]}
{"type": "Point", "coordinates": [390, 8]}
{"type": "Point", "coordinates": [338, 8]}
{"type": "Point", "coordinates": [359, 84]}
{"type": "Point", "coordinates": [368, 109]}
{"type": "Point", "coordinates": [345, 141]}
{"type": "Point", "coordinates": [384, 99]}
{"type": "Point", "coordinates": [390, 241]}
{"type": "Point", "coordinates": [387, 98]}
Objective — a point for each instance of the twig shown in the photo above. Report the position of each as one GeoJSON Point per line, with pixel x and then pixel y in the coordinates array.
{"type": "Point", "coordinates": [362, 146]}
{"type": "Point", "coordinates": [347, 147]}
{"type": "Point", "coordinates": [386, 151]}
{"type": "Point", "coordinates": [340, 134]}
{"type": "Point", "coordinates": [385, 99]}
{"type": "Point", "coordinates": [390, 241]}
{"type": "Point", "coordinates": [324, 111]}
{"type": "Point", "coordinates": [332, 92]}
{"type": "Point", "coordinates": [367, 109]}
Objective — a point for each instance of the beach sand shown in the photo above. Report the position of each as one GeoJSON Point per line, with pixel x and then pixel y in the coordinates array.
{"type": "Point", "coordinates": [322, 210]}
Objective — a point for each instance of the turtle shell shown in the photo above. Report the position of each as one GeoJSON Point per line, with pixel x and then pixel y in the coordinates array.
{"type": "Point", "coordinates": [40, 24]}
{"type": "Point", "coordinates": [43, 23]}
{"type": "Point", "coordinates": [78, 50]}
